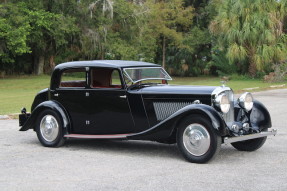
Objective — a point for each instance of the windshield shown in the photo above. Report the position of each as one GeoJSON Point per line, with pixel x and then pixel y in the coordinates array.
{"type": "Point", "coordinates": [135, 75]}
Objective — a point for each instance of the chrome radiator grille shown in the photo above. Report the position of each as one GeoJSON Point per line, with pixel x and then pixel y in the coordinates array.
{"type": "Point", "coordinates": [165, 109]}
{"type": "Point", "coordinates": [229, 117]}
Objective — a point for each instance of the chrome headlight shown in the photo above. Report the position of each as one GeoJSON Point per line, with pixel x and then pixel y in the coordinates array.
{"type": "Point", "coordinates": [245, 101]}
{"type": "Point", "coordinates": [222, 102]}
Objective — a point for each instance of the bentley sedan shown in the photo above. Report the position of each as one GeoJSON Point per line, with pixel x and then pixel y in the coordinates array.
{"type": "Point", "coordinates": [131, 100]}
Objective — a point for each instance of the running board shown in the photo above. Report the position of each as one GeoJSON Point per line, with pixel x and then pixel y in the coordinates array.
{"type": "Point", "coordinates": [81, 136]}
{"type": "Point", "coordinates": [248, 137]}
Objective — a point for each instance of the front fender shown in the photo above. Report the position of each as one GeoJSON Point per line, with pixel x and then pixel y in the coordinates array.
{"type": "Point", "coordinates": [259, 116]}
{"type": "Point", "coordinates": [53, 105]}
{"type": "Point", "coordinates": [165, 128]}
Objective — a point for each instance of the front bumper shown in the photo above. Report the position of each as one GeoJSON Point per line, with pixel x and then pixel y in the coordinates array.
{"type": "Point", "coordinates": [227, 140]}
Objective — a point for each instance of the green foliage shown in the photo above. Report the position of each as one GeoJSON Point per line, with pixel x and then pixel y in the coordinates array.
{"type": "Point", "coordinates": [248, 36]}
{"type": "Point", "coordinates": [120, 49]}
{"type": "Point", "coordinates": [14, 31]}
{"type": "Point", "coordinates": [167, 16]}
{"type": "Point", "coordinates": [251, 32]}
{"type": "Point", "coordinates": [25, 28]}
{"type": "Point", "coordinates": [220, 65]}
{"type": "Point", "coordinates": [191, 57]}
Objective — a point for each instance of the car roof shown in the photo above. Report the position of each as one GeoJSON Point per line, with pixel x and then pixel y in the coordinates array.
{"type": "Point", "coordinates": [106, 63]}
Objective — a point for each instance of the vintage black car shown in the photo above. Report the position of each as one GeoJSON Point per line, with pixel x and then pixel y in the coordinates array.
{"type": "Point", "coordinates": [112, 99]}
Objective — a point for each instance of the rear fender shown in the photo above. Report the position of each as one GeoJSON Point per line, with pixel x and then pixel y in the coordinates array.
{"type": "Point", "coordinates": [165, 128]}
{"type": "Point", "coordinates": [53, 105]}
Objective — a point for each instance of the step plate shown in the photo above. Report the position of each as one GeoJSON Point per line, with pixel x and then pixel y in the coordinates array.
{"type": "Point", "coordinates": [81, 136]}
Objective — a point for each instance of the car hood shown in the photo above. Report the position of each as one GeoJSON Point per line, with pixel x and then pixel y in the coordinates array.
{"type": "Point", "coordinates": [178, 90]}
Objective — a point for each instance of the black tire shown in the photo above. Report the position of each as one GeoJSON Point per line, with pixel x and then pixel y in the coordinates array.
{"type": "Point", "coordinates": [49, 129]}
{"type": "Point", "coordinates": [249, 145]}
{"type": "Point", "coordinates": [192, 127]}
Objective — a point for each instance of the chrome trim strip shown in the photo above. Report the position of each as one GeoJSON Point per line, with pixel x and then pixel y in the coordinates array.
{"type": "Point", "coordinates": [115, 136]}
{"type": "Point", "coordinates": [219, 90]}
{"type": "Point", "coordinates": [229, 116]}
{"type": "Point", "coordinates": [146, 79]}
{"type": "Point", "coordinates": [247, 137]}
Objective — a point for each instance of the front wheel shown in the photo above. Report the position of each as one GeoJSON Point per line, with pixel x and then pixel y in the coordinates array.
{"type": "Point", "coordinates": [197, 140]}
{"type": "Point", "coordinates": [49, 129]}
{"type": "Point", "coordinates": [249, 145]}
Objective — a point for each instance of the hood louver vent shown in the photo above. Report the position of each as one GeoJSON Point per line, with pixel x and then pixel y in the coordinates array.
{"type": "Point", "coordinates": [165, 109]}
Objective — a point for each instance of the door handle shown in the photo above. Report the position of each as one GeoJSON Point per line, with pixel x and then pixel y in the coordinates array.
{"type": "Point", "coordinates": [53, 92]}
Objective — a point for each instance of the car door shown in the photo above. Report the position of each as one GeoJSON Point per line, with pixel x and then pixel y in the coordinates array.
{"type": "Point", "coordinates": [71, 93]}
{"type": "Point", "coordinates": [109, 107]}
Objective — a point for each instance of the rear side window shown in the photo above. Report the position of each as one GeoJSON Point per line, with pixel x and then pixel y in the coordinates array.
{"type": "Point", "coordinates": [73, 78]}
{"type": "Point", "coordinates": [105, 78]}
{"type": "Point", "coordinates": [115, 79]}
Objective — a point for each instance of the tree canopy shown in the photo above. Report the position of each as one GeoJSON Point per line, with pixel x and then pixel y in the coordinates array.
{"type": "Point", "coordinates": [188, 38]}
{"type": "Point", "coordinates": [251, 32]}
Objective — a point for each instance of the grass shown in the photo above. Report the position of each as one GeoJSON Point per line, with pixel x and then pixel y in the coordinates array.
{"type": "Point", "coordinates": [236, 84]}
{"type": "Point", "coordinates": [18, 92]}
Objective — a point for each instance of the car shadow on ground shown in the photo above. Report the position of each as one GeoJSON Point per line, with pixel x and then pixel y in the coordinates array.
{"type": "Point", "coordinates": [147, 148]}
{"type": "Point", "coordinates": [141, 148]}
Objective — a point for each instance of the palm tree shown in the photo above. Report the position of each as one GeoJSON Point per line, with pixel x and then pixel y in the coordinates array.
{"type": "Point", "coordinates": [251, 31]}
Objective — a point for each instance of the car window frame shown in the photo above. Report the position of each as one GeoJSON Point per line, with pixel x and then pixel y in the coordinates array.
{"type": "Point", "coordinates": [86, 69]}
{"type": "Point", "coordinates": [123, 85]}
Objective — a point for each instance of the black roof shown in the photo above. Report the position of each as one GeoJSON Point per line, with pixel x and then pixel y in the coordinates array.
{"type": "Point", "coordinates": [106, 63]}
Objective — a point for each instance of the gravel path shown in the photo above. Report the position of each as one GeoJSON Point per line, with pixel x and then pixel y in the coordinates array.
{"type": "Point", "coordinates": [138, 165]}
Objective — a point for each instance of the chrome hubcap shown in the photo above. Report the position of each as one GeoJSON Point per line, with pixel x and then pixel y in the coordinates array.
{"type": "Point", "coordinates": [196, 139]}
{"type": "Point", "coordinates": [49, 128]}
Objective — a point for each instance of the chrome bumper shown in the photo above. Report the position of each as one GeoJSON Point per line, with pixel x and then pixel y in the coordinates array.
{"type": "Point", "coordinates": [247, 137]}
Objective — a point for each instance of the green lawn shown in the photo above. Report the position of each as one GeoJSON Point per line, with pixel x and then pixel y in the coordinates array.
{"type": "Point", "coordinates": [18, 92]}
{"type": "Point", "coordinates": [236, 84]}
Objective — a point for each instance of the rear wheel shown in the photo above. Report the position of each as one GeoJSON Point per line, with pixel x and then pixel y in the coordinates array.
{"type": "Point", "coordinates": [197, 140]}
{"type": "Point", "coordinates": [249, 145]}
{"type": "Point", "coordinates": [49, 129]}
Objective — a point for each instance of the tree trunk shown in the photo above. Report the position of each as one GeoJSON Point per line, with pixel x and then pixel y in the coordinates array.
{"type": "Point", "coordinates": [163, 52]}
{"type": "Point", "coordinates": [252, 69]}
{"type": "Point", "coordinates": [52, 62]}
{"type": "Point", "coordinates": [39, 62]}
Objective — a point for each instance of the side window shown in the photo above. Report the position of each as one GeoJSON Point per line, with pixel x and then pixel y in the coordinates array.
{"type": "Point", "coordinates": [105, 78]}
{"type": "Point", "coordinates": [73, 78]}
{"type": "Point", "coordinates": [116, 80]}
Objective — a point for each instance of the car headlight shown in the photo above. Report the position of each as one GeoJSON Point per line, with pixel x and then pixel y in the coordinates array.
{"type": "Point", "coordinates": [245, 101]}
{"type": "Point", "coordinates": [222, 102]}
